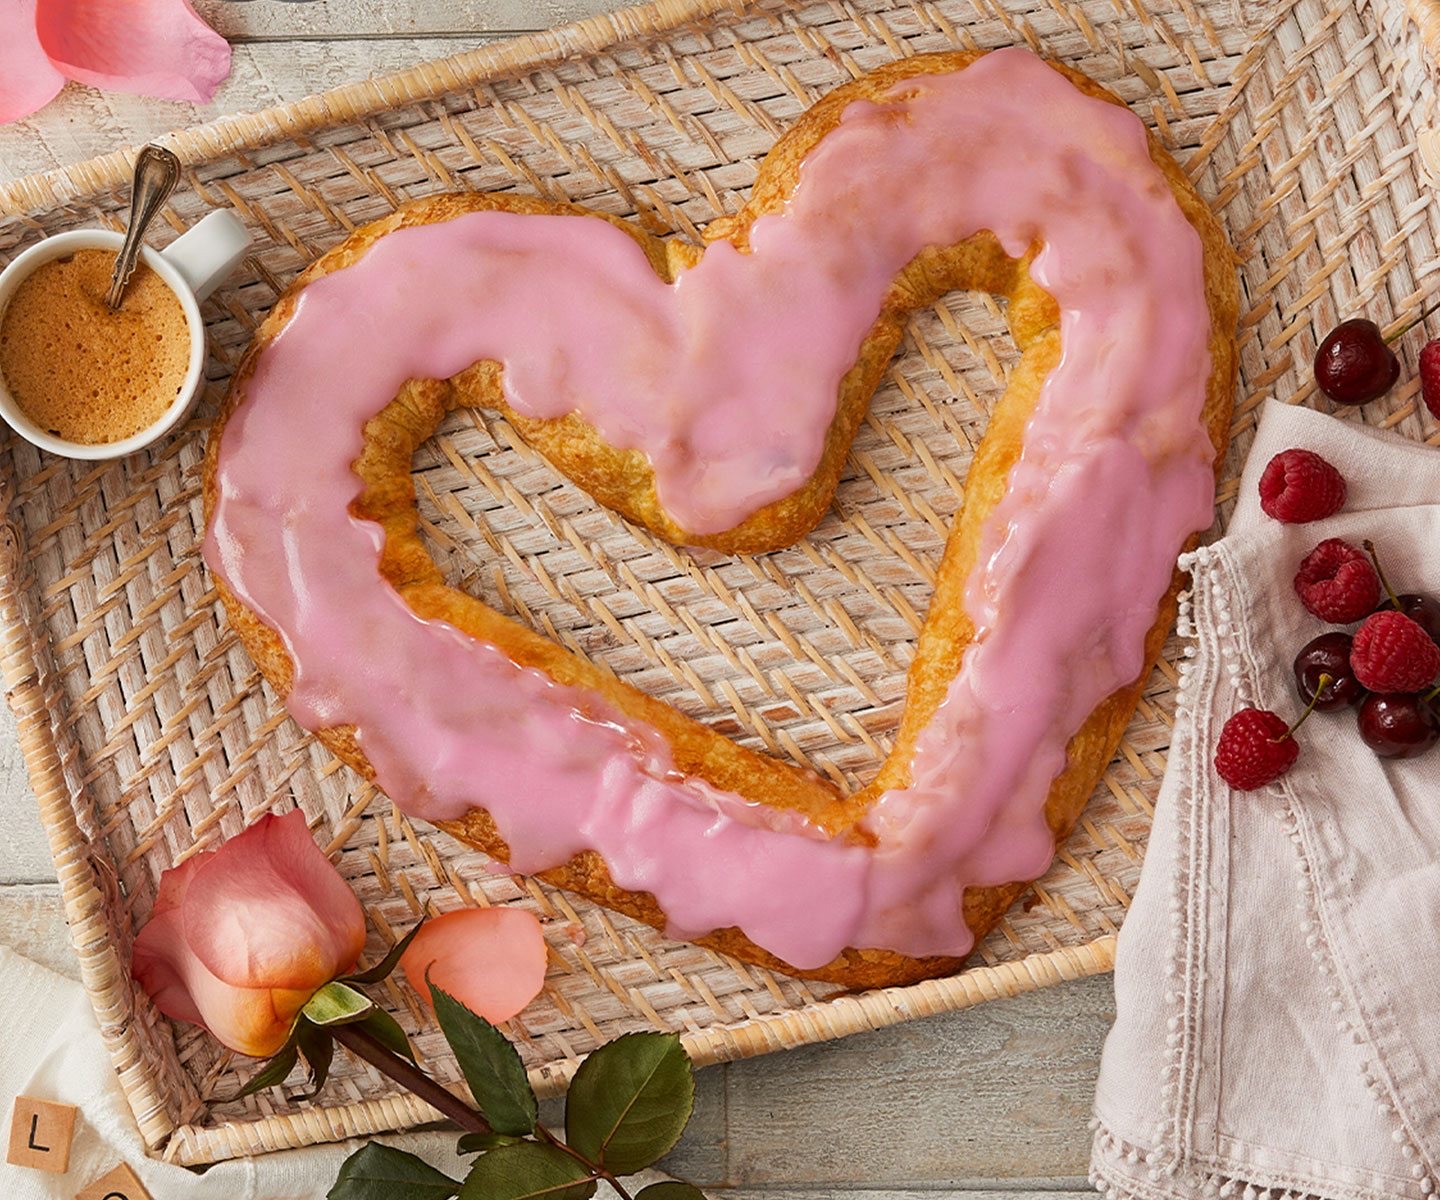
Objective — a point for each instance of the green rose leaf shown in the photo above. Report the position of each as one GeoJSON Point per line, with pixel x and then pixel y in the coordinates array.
{"type": "Point", "coordinates": [386, 965]}
{"type": "Point", "coordinates": [386, 1030]}
{"type": "Point", "coordinates": [630, 1101]}
{"type": "Point", "coordinates": [318, 1049]}
{"type": "Point", "coordinates": [275, 1070]}
{"type": "Point", "coordinates": [337, 1004]}
{"type": "Point", "coordinates": [376, 1172]}
{"type": "Point", "coordinates": [670, 1190]}
{"type": "Point", "coordinates": [527, 1171]}
{"type": "Point", "coordinates": [476, 1143]}
{"type": "Point", "coordinates": [491, 1065]}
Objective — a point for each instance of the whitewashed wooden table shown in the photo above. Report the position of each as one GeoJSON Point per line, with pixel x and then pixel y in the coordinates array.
{"type": "Point", "coordinates": [982, 1104]}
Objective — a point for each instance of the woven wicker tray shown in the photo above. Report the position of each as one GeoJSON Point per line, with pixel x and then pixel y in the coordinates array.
{"type": "Point", "coordinates": [149, 734]}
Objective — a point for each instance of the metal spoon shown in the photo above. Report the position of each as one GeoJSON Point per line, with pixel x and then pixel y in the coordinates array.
{"type": "Point", "coordinates": [157, 171]}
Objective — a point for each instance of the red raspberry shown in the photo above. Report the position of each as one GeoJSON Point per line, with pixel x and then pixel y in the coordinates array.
{"type": "Point", "coordinates": [1430, 376]}
{"type": "Point", "coordinates": [1299, 486]}
{"type": "Point", "coordinates": [1337, 582]}
{"type": "Point", "coordinates": [1392, 653]}
{"type": "Point", "coordinates": [1256, 747]}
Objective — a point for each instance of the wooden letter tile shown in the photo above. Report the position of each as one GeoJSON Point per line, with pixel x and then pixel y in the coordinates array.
{"type": "Point", "coordinates": [40, 1134]}
{"type": "Point", "coordinates": [118, 1183]}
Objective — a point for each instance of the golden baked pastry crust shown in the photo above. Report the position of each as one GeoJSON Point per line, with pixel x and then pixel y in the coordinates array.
{"type": "Point", "coordinates": [623, 481]}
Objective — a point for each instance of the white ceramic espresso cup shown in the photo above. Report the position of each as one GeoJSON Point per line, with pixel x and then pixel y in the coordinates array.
{"type": "Point", "coordinates": [192, 267]}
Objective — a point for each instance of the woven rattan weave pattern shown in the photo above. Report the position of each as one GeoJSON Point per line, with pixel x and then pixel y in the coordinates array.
{"type": "Point", "coordinates": [150, 735]}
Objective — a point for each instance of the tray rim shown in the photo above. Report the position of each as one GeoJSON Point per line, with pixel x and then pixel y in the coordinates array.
{"type": "Point", "coordinates": [80, 869]}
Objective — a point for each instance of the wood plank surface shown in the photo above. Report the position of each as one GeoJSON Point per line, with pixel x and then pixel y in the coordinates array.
{"type": "Point", "coordinates": [1063, 1190]}
{"type": "Point", "coordinates": [988, 1104]}
{"type": "Point", "coordinates": [284, 50]}
{"type": "Point", "coordinates": [82, 122]}
{"type": "Point", "coordinates": [245, 21]}
{"type": "Point", "coordinates": [32, 923]}
{"type": "Point", "coordinates": [999, 1092]}
{"type": "Point", "coordinates": [24, 851]}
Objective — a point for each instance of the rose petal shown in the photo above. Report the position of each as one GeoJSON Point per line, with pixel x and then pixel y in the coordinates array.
{"type": "Point", "coordinates": [267, 910]}
{"type": "Point", "coordinates": [161, 942]}
{"type": "Point", "coordinates": [175, 882]}
{"type": "Point", "coordinates": [28, 79]}
{"type": "Point", "coordinates": [154, 47]}
{"type": "Point", "coordinates": [252, 1021]}
{"type": "Point", "coordinates": [154, 963]}
{"type": "Point", "coordinates": [490, 959]}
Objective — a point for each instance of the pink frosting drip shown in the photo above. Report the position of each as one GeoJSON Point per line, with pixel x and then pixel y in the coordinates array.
{"type": "Point", "coordinates": [727, 380]}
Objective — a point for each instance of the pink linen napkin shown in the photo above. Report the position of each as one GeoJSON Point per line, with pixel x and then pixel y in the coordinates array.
{"type": "Point", "coordinates": [1278, 976]}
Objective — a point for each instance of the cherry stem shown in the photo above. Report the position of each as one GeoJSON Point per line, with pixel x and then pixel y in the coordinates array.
{"type": "Point", "coordinates": [1384, 583]}
{"type": "Point", "coordinates": [1326, 679]}
{"type": "Point", "coordinates": [366, 1046]}
{"type": "Point", "coordinates": [1404, 329]}
{"type": "Point", "coordinates": [1429, 697]}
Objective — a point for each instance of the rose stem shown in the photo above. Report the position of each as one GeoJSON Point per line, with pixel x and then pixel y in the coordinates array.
{"type": "Point", "coordinates": [413, 1079]}
{"type": "Point", "coordinates": [409, 1076]}
{"type": "Point", "coordinates": [600, 1173]}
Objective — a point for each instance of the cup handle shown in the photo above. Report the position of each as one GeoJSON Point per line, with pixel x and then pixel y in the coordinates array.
{"type": "Point", "coordinates": [209, 251]}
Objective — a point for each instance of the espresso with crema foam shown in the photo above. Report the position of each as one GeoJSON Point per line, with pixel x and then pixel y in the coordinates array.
{"type": "Point", "coordinates": [79, 370]}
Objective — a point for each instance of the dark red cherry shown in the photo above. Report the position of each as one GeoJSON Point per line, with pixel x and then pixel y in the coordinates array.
{"type": "Point", "coordinates": [1354, 365]}
{"type": "Point", "coordinates": [1398, 725]}
{"type": "Point", "coordinates": [1328, 654]}
{"type": "Point", "coordinates": [1423, 610]}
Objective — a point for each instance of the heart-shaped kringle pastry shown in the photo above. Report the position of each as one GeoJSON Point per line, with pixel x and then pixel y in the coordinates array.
{"type": "Point", "coordinates": [711, 394]}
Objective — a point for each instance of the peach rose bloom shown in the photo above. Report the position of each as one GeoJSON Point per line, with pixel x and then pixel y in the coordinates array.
{"type": "Point", "coordinates": [241, 937]}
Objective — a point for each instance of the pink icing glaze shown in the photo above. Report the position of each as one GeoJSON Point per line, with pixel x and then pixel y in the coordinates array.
{"type": "Point", "coordinates": [727, 380]}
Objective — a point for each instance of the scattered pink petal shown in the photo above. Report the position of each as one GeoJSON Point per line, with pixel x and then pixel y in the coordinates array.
{"type": "Point", "coordinates": [490, 959]}
{"type": "Point", "coordinates": [28, 79]}
{"type": "Point", "coordinates": [269, 911]}
{"type": "Point", "coordinates": [153, 47]}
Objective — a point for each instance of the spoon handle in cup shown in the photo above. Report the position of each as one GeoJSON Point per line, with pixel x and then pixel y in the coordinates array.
{"type": "Point", "coordinates": [157, 171]}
